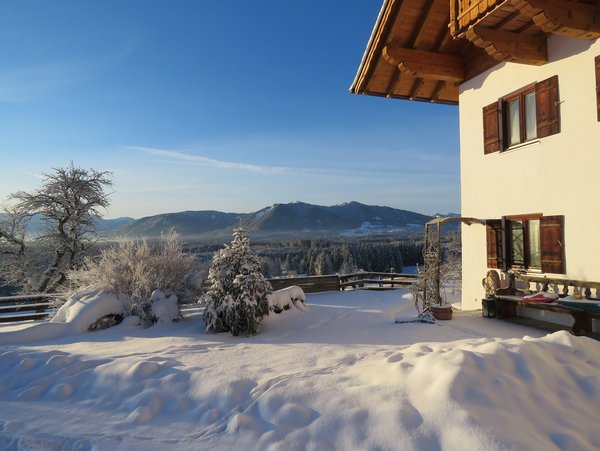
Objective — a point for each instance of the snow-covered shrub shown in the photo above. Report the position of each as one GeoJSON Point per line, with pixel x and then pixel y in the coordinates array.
{"type": "Point", "coordinates": [137, 269]}
{"type": "Point", "coordinates": [164, 308]}
{"type": "Point", "coordinates": [237, 298]}
{"type": "Point", "coordinates": [287, 298]}
{"type": "Point", "coordinates": [85, 309]}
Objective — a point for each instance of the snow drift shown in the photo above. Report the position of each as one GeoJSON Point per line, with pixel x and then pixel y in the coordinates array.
{"type": "Point", "coordinates": [340, 376]}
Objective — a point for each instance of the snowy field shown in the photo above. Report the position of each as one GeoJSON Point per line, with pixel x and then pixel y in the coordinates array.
{"type": "Point", "coordinates": [340, 376]}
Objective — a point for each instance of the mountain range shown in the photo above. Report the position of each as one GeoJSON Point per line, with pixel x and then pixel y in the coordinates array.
{"type": "Point", "coordinates": [283, 221]}
{"type": "Point", "coordinates": [292, 220]}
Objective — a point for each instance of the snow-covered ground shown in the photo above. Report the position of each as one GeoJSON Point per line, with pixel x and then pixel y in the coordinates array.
{"type": "Point", "coordinates": [340, 376]}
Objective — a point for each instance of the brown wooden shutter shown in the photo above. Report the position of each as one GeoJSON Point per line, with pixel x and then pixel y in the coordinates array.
{"type": "Point", "coordinates": [493, 229]}
{"type": "Point", "coordinates": [547, 107]}
{"type": "Point", "coordinates": [492, 128]}
{"type": "Point", "coordinates": [552, 244]}
{"type": "Point", "coordinates": [598, 85]}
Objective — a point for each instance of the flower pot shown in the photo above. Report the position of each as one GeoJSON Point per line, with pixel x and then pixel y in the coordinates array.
{"type": "Point", "coordinates": [441, 313]}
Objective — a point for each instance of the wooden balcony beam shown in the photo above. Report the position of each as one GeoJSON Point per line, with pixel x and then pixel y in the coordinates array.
{"type": "Point", "coordinates": [507, 46]}
{"type": "Point", "coordinates": [573, 19]}
{"type": "Point", "coordinates": [427, 65]}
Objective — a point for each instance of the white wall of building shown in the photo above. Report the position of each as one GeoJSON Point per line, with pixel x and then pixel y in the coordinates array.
{"type": "Point", "coordinates": [557, 175]}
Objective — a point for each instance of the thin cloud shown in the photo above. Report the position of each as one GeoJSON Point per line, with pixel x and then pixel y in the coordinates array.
{"type": "Point", "coordinates": [161, 189]}
{"type": "Point", "coordinates": [27, 83]}
{"type": "Point", "coordinates": [189, 158]}
{"type": "Point", "coordinates": [33, 174]}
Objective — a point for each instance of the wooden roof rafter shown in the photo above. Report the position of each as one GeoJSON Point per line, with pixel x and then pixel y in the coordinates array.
{"type": "Point", "coordinates": [575, 19]}
{"type": "Point", "coordinates": [414, 26]}
{"type": "Point", "coordinates": [419, 27]}
{"type": "Point", "coordinates": [508, 46]}
{"type": "Point", "coordinates": [421, 64]}
{"type": "Point", "coordinates": [414, 41]}
{"type": "Point", "coordinates": [406, 57]}
{"type": "Point", "coordinates": [381, 29]}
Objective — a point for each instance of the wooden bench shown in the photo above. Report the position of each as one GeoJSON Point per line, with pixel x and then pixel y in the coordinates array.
{"type": "Point", "coordinates": [508, 300]}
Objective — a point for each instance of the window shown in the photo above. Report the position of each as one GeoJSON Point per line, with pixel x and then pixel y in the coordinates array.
{"type": "Point", "coordinates": [526, 242]}
{"type": "Point", "coordinates": [527, 114]}
{"type": "Point", "coordinates": [521, 123]}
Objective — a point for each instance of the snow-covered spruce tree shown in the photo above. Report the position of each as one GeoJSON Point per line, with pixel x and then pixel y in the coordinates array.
{"type": "Point", "coordinates": [237, 298]}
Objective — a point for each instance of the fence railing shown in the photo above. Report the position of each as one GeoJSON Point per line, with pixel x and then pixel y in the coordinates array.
{"type": "Point", "coordinates": [310, 284]}
{"type": "Point", "coordinates": [27, 307]}
{"type": "Point", "coordinates": [37, 306]}
{"type": "Point", "coordinates": [335, 282]}
{"type": "Point", "coordinates": [374, 280]}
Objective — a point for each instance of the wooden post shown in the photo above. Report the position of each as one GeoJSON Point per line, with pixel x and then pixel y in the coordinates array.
{"type": "Point", "coordinates": [425, 247]}
{"type": "Point", "coordinates": [438, 263]}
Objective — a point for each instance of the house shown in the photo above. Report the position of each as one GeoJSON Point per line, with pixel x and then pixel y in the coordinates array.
{"type": "Point", "coordinates": [525, 75]}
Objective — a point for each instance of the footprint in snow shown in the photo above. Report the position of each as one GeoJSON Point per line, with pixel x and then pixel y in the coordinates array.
{"type": "Point", "coordinates": [295, 415]}
{"type": "Point", "coordinates": [211, 416]}
{"type": "Point", "coordinates": [409, 416]}
{"type": "Point", "coordinates": [12, 426]}
{"type": "Point", "coordinates": [59, 361]}
{"type": "Point", "coordinates": [243, 421]}
{"type": "Point", "coordinates": [394, 358]}
{"type": "Point", "coordinates": [62, 391]}
{"type": "Point", "coordinates": [348, 360]}
{"type": "Point", "coordinates": [144, 369]}
{"type": "Point", "coordinates": [27, 363]}
{"type": "Point", "coordinates": [34, 392]}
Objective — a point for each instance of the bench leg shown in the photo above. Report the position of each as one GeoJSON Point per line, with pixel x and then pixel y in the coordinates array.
{"type": "Point", "coordinates": [505, 309]}
{"type": "Point", "coordinates": [582, 323]}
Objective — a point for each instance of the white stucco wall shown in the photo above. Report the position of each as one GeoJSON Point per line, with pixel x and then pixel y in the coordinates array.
{"type": "Point", "coordinates": [558, 175]}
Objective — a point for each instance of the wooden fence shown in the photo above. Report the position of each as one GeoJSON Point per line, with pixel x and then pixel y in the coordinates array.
{"type": "Point", "coordinates": [366, 280]}
{"type": "Point", "coordinates": [27, 307]}
{"type": "Point", "coordinates": [310, 284]}
{"type": "Point", "coordinates": [21, 308]}
{"type": "Point", "coordinates": [376, 280]}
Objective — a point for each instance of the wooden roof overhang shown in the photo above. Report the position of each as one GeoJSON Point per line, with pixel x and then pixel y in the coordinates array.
{"type": "Point", "coordinates": [423, 49]}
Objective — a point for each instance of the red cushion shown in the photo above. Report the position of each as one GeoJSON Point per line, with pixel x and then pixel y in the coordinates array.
{"type": "Point", "coordinates": [541, 297]}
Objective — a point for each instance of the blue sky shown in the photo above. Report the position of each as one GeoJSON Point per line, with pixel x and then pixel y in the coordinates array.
{"type": "Point", "coordinates": [230, 105]}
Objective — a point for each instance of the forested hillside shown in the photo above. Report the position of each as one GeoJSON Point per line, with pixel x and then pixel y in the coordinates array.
{"type": "Point", "coordinates": [323, 256]}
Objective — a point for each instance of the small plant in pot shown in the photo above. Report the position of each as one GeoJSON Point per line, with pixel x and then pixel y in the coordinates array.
{"type": "Point", "coordinates": [427, 295]}
{"type": "Point", "coordinates": [435, 279]}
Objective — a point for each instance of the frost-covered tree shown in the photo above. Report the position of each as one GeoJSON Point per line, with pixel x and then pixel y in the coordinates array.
{"type": "Point", "coordinates": [68, 202]}
{"type": "Point", "coordinates": [237, 298]}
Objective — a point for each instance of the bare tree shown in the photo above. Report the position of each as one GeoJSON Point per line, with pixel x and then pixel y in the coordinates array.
{"type": "Point", "coordinates": [12, 232]}
{"type": "Point", "coordinates": [68, 201]}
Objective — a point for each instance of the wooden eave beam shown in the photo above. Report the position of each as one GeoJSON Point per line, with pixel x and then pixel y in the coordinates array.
{"type": "Point", "coordinates": [428, 65]}
{"type": "Point", "coordinates": [507, 46]}
{"type": "Point", "coordinates": [381, 30]}
{"type": "Point", "coordinates": [566, 18]}
{"type": "Point", "coordinates": [415, 89]}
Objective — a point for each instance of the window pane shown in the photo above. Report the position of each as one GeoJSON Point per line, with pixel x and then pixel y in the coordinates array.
{"type": "Point", "coordinates": [535, 253]}
{"type": "Point", "coordinates": [530, 118]}
{"type": "Point", "coordinates": [513, 127]}
{"type": "Point", "coordinates": [516, 241]}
